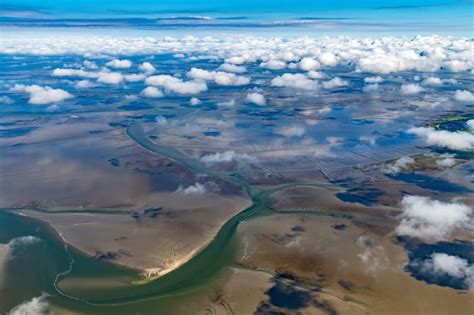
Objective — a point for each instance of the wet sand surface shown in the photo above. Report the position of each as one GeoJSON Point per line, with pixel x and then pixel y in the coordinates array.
{"type": "Point", "coordinates": [154, 244]}
{"type": "Point", "coordinates": [347, 268]}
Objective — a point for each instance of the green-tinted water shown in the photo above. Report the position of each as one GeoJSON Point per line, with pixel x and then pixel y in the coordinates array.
{"type": "Point", "coordinates": [88, 285]}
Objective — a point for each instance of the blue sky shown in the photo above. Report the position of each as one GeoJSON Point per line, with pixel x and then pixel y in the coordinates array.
{"type": "Point", "coordinates": [398, 16]}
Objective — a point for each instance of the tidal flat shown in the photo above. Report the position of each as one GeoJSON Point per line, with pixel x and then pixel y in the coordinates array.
{"type": "Point", "coordinates": [216, 184]}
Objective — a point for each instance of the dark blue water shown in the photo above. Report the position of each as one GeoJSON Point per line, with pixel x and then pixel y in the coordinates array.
{"type": "Point", "coordinates": [420, 252]}
{"type": "Point", "coordinates": [429, 182]}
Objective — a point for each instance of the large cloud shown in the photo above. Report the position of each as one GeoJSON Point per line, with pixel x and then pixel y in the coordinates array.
{"type": "Point", "coordinates": [176, 85]}
{"type": "Point", "coordinates": [429, 219]}
{"type": "Point", "coordinates": [40, 95]}
{"type": "Point", "coordinates": [460, 140]}
{"type": "Point", "coordinates": [374, 55]}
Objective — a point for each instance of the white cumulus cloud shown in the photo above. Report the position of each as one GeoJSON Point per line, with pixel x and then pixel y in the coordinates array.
{"type": "Point", "coordinates": [40, 95]}
{"type": "Point", "coordinates": [460, 140]}
{"type": "Point", "coordinates": [430, 219]}
{"type": "Point", "coordinates": [176, 85]}
{"type": "Point", "coordinates": [152, 91]}
{"type": "Point", "coordinates": [334, 83]}
{"type": "Point", "coordinates": [273, 64]}
{"type": "Point", "coordinates": [147, 67]}
{"type": "Point", "coordinates": [295, 81]}
{"type": "Point", "coordinates": [464, 96]}
{"type": "Point", "coordinates": [256, 98]}
{"type": "Point", "coordinates": [441, 264]}
{"type": "Point", "coordinates": [227, 67]}
{"type": "Point", "coordinates": [196, 189]}
{"type": "Point", "coordinates": [308, 64]}
{"type": "Point", "coordinates": [223, 157]}
{"type": "Point", "coordinates": [219, 77]}
{"type": "Point", "coordinates": [411, 88]}
{"type": "Point", "coordinates": [119, 64]}
{"type": "Point", "coordinates": [291, 131]}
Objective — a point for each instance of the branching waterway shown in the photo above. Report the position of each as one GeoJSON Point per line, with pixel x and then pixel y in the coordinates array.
{"type": "Point", "coordinates": [198, 272]}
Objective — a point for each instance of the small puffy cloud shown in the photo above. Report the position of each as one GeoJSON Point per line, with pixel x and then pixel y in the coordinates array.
{"type": "Point", "coordinates": [334, 83]}
{"type": "Point", "coordinates": [410, 89]}
{"type": "Point", "coordinates": [152, 91]}
{"type": "Point", "coordinates": [113, 78]}
{"type": "Point", "coordinates": [460, 140]}
{"type": "Point", "coordinates": [227, 67]}
{"type": "Point", "coordinates": [376, 79]}
{"type": "Point", "coordinates": [62, 72]}
{"type": "Point", "coordinates": [432, 81]}
{"type": "Point", "coordinates": [445, 161]}
{"type": "Point", "coordinates": [369, 139]}
{"type": "Point", "coordinates": [307, 64]}
{"type": "Point", "coordinates": [368, 88]}
{"type": "Point", "coordinates": [400, 164]}
{"type": "Point", "coordinates": [223, 157]}
{"type": "Point", "coordinates": [256, 98]}
{"type": "Point", "coordinates": [230, 79]}
{"type": "Point", "coordinates": [328, 59]}
{"type": "Point", "coordinates": [6, 100]}
{"type": "Point", "coordinates": [429, 219]}
{"type": "Point", "coordinates": [134, 77]}
{"type": "Point", "coordinates": [23, 241]}
{"type": "Point", "coordinates": [230, 103]}
{"type": "Point", "coordinates": [40, 95]}
{"type": "Point", "coordinates": [273, 64]}
{"type": "Point", "coordinates": [219, 77]}
{"type": "Point", "coordinates": [464, 96]}
{"type": "Point", "coordinates": [131, 97]}
{"type": "Point", "coordinates": [196, 189]}
{"type": "Point", "coordinates": [35, 306]}
{"type": "Point", "coordinates": [470, 124]}
{"type": "Point", "coordinates": [90, 65]}
{"type": "Point", "coordinates": [119, 64]}
{"type": "Point", "coordinates": [84, 84]}
{"type": "Point", "coordinates": [291, 131]}
{"type": "Point", "coordinates": [312, 74]}
{"type": "Point", "coordinates": [176, 85]}
{"type": "Point", "coordinates": [373, 257]}
{"type": "Point", "coordinates": [442, 265]}
{"type": "Point", "coordinates": [238, 60]}
{"type": "Point", "coordinates": [194, 101]}
{"type": "Point", "coordinates": [295, 81]}
{"type": "Point", "coordinates": [161, 120]}
{"type": "Point", "coordinates": [147, 67]}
